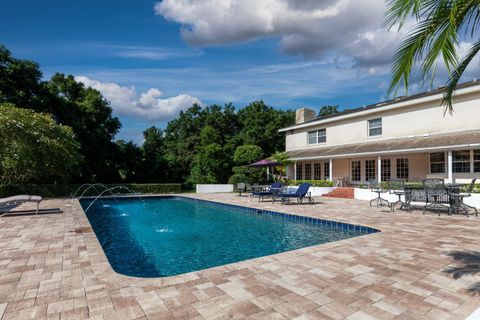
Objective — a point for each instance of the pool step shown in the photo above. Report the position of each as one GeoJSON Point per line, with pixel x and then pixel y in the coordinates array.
{"type": "Point", "coordinates": [345, 193]}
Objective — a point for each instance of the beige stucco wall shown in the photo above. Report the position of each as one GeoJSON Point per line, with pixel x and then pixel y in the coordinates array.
{"type": "Point", "coordinates": [426, 118]}
{"type": "Point", "coordinates": [340, 168]}
{"type": "Point", "coordinates": [418, 166]}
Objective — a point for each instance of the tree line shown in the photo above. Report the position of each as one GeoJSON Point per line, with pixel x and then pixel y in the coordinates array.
{"type": "Point", "coordinates": [58, 131]}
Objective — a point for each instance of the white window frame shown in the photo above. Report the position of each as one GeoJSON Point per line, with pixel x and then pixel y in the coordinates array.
{"type": "Point", "coordinates": [469, 161]}
{"type": "Point", "coordinates": [315, 137]}
{"type": "Point", "coordinates": [306, 174]}
{"type": "Point", "coordinates": [474, 161]}
{"type": "Point", "coordinates": [374, 169]}
{"type": "Point", "coordinates": [370, 128]}
{"type": "Point", "coordinates": [383, 165]}
{"type": "Point", "coordinates": [317, 171]}
{"type": "Point", "coordinates": [360, 171]}
{"type": "Point", "coordinates": [326, 170]}
{"type": "Point", "coordinates": [430, 162]}
{"type": "Point", "coordinates": [397, 168]}
{"type": "Point", "coordinates": [320, 133]}
{"type": "Point", "coordinates": [299, 171]}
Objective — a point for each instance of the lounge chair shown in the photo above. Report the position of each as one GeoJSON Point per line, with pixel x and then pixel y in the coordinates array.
{"type": "Point", "coordinates": [300, 194]}
{"type": "Point", "coordinates": [7, 203]}
{"type": "Point", "coordinates": [270, 192]}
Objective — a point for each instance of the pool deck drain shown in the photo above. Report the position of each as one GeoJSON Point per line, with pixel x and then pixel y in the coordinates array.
{"type": "Point", "coordinates": [49, 272]}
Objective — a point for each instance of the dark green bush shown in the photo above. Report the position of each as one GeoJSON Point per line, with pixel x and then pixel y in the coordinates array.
{"type": "Point", "coordinates": [314, 183]}
{"type": "Point", "coordinates": [67, 190]}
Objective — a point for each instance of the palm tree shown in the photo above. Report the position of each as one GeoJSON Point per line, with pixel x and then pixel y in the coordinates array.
{"type": "Point", "coordinates": [440, 24]}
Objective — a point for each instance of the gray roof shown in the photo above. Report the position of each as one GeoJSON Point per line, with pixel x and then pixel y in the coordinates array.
{"type": "Point", "coordinates": [392, 101]}
{"type": "Point", "coordinates": [418, 143]}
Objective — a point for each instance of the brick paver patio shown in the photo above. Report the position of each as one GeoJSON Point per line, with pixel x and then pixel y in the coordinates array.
{"type": "Point", "coordinates": [52, 267]}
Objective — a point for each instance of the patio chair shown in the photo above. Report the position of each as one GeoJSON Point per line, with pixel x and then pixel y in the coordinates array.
{"type": "Point", "coordinates": [269, 192]}
{"type": "Point", "coordinates": [10, 202]}
{"type": "Point", "coordinates": [375, 187]}
{"type": "Point", "coordinates": [241, 187]}
{"type": "Point", "coordinates": [300, 194]}
{"type": "Point", "coordinates": [435, 194]}
{"type": "Point", "coordinates": [457, 199]}
{"type": "Point", "coordinates": [396, 187]}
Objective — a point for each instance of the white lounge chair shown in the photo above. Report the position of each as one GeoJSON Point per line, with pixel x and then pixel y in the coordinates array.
{"type": "Point", "coordinates": [9, 202]}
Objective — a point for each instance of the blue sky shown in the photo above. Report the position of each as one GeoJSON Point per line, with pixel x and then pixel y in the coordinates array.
{"type": "Point", "coordinates": [153, 59]}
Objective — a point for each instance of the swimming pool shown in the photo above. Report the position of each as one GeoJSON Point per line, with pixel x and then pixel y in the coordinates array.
{"type": "Point", "coordinates": [166, 236]}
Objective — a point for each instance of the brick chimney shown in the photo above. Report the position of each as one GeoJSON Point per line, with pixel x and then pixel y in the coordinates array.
{"type": "Point", "coordinates": [303, 115]}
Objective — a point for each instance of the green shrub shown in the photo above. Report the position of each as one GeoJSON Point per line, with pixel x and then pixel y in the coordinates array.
{"type": "Point", "coordinates": [476, 189]}
{"type": "Point", "coordinates": [314, 183]}
{"type": "Point", "coordinates": [33, 148]}
{"type": "Point", "coordinates": [67, 190]}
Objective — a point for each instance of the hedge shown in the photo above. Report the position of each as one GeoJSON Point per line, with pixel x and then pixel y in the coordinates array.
{"type": "Point", "coordinates": [314, 183]}
{"type": "Point", "coordinates": [67, 190]}
{"type": "Point", "coordinates": [419, 185]}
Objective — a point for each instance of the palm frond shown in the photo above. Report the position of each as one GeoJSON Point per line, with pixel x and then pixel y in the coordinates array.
{"type": "Point", "coordinates": [399, 10]}
{"type": "Point", "coordinates": [448, 97]}
{"type": "Point", "coordinates": [434, 36]}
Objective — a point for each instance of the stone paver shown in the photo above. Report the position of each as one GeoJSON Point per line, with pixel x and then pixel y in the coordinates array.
{"type": "Point", "coordinates": [52, 267]}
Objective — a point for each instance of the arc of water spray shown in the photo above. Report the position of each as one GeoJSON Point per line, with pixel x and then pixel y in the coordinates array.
{"type": "Point", "coordinates": [110, 189]}
{"type": "Point", "coordinates": [79, 188]}
{"type": "Point", "coordinates": [95, 187]}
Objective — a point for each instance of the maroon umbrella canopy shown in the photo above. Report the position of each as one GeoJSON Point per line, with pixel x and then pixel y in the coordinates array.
{"type": "Point", "coordinates": [265, 163]}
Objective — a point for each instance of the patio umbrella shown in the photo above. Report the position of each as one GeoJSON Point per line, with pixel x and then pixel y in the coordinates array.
{"type": "Point", "coordinates": [265, 163]}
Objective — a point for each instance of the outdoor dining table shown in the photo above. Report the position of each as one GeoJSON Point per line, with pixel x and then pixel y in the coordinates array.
{"type": "Point", "coordinates": [419, 195]}
{"type": "Point", "coordinates": [259, 188]}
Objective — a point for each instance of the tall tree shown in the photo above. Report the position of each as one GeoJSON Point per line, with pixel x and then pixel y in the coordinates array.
{"type": "Point", "coordinates": [20, 82]}
{"type": "Point", "coordinates": [183, 137]}
{"type": "Point", "coordinates": [260, 124]}
{"type": "Point", "coordinates": [440, 26]}
{"type": "Point", "coordinates": [244, 155]}
{"type": "Point", "coordinates": [154, 164]}
{"type": "Point", "coordinates": [90, 116]}
{"type": "Point", "coordinates": [70, 103]}
{"type": "Point", "coordinates": [129, 162]}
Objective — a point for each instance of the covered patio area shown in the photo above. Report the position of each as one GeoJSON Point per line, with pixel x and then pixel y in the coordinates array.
{"type": "Point", "coordinates": [454, 157]}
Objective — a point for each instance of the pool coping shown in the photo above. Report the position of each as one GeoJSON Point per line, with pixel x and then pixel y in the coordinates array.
{"type": "Point", "coordinates": [104, 270]}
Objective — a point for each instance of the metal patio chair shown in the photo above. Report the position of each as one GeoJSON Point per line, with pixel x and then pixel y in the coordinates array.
{"type": "Point", "coordinates": [435, 194]}
{"type": "Point", "coordinates": [241, 187]}
{"type": "Point", "coordinates": [457, 199]}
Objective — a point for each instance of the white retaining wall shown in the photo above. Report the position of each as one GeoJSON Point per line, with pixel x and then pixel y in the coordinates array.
{"type": "Point", "coordinates": [366, 194]}
{"type": "Point", "coordinates": [315, 191]}
{"type": "Point", "coordinates": [214, 188]}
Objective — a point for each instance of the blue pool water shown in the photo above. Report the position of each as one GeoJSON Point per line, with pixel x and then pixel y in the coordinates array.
{"type": "Point", "coordinates": [167, 236]}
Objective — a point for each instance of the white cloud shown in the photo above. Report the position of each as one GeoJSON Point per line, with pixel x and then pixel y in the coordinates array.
{"type": "Point", "coordinates": [310, 28]}
{"type": "Point", "coordinates": [151, 53]}
{"type": "Point", "coordinates": [148, 105]}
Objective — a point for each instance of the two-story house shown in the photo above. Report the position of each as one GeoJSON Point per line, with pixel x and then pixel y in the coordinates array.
{"type": "Point", "coordinates": [408, 137]}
